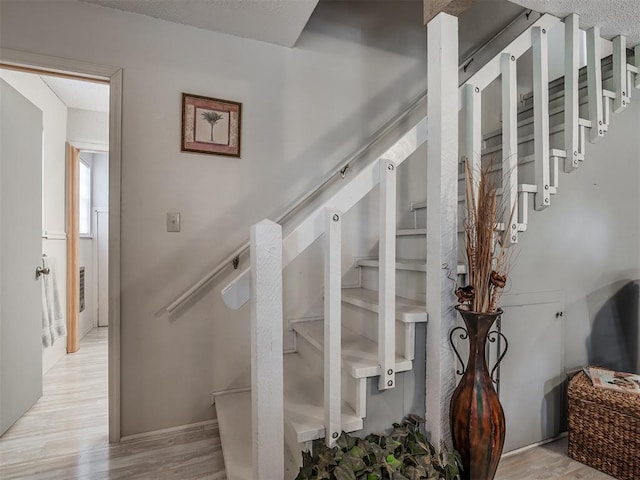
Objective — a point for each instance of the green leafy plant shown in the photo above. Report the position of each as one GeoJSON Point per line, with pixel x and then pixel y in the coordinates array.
{"type": "Point", "coordinates": [404, 454]}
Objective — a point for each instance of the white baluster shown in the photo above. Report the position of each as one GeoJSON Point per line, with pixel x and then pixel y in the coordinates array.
{"type": "Point", "coordinates": [620, 73]}
{"type": "Point", "coordinates": [473, 143]}
{"type": "Point", "coordinates": [332, 325]}
{"type": "Point", "coordinates": [387, 276]}
{"type": "Point", "coordinates": [541, 116]}
{"type": "Point", "coordinates": [267, 403]}
{"type": "Point", "coordinates": [594, 84]}
{"type": "Point", "coordinates": [571, 90]}
{"type": "Point", "coordinates": [510, 145]}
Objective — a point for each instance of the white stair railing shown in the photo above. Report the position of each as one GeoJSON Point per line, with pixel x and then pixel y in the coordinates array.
{"type": "Point", "coordinates": [601, 103]}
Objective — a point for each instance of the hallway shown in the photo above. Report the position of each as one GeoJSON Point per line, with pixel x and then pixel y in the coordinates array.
{"type": "Point", "coordinates": [65, 434]}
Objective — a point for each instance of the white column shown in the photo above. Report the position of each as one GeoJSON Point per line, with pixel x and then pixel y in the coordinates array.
{"type": "Point", "coordinates": [510, 145]}
{"type": "Point", "coordinates": [267, 407]}
{"type": "Point", "coordinates": [387, 276]}
{"type": "Point", "coordinates": [571, 90]}
{"type": "Point", "coordinates": [332, 324]}
{"type": "Point", "coordinates": [442, 219]}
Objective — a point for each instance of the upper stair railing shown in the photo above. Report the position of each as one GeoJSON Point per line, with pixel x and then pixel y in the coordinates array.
{"type": "Point", "coordinates": [601, 102]}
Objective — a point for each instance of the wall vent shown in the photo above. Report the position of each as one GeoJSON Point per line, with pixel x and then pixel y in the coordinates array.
{"type": "Point", "coordinates": [81, 289]}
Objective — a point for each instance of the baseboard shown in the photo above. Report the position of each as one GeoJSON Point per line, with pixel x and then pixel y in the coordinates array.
{"type": "Point", "coordinates": [534, 445]}
{"type": "Point", "coordinates": [164, 431]}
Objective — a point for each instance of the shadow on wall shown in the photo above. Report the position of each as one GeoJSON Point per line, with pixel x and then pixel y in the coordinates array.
{"type": "Point", "coordinates": [614, 339]}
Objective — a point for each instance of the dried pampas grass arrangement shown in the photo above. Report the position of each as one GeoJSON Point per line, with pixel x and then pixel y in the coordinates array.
{"type": "Point", "coordinates": [487, 251]}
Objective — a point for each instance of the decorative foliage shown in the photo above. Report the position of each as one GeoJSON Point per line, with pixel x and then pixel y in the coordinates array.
{"type": "Point", "coordinates": [404, 454]}
{"type": "Point", "coordinates": [488, 253]}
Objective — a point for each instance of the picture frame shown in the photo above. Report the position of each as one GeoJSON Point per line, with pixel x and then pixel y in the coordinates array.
{"type": "Point", "coordinates": [211, 125]}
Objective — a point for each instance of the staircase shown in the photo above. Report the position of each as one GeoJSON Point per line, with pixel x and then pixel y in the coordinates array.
{"type": "Point", "coordinates": [368, 331]}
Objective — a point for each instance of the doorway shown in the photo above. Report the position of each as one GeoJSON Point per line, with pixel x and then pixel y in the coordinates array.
{"type": "Point", "coordinates": [42, 65]}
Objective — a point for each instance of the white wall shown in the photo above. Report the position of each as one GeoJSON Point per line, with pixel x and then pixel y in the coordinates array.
{"type": "Point", "coordinates": [54, 114]}
{"type": "Point", "coordinates": [88, 129]}
{"type": "Point", "coordinates": [304, 109]}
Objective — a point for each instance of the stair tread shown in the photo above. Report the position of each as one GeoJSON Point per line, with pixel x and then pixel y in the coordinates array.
{"type": "Point", "coordinates": [359, 354]}
{"type": "Point", "coordinates": [304, 401]}
{"type": "Point", "coordinates": [407, 310]}
{"type": "Point", "coordinates": [234, 423]}
{"type": "Point", "coordinates": [405, 232]}
{"type": "Point", "coordinates": [416, 265]}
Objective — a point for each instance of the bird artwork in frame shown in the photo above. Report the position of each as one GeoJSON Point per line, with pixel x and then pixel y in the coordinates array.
{"type": "Point", "coordinates": [210, 125]}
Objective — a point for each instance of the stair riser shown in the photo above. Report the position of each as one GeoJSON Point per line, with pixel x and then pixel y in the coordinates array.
{"type": "Point", "coordinates": [365, 323]}
{"type": "Point", "coordinates": [409, 284]}
{"type": "Point", "coordinates": [525, 149]}
{"type": "Point", "coordinates": [413, 246]}
{"type": "Point", "coordinates": [352, 388]}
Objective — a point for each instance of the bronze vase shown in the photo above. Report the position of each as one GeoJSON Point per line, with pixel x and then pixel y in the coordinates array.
{"type": "Point", "coordinates": [477, 419]}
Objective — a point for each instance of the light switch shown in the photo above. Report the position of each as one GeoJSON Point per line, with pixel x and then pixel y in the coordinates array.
{"type": "Point", "coordinates": [173, 222]}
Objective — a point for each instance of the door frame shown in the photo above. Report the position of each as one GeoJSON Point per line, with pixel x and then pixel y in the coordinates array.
{"type": "Point", "coordinates": [113, 75]}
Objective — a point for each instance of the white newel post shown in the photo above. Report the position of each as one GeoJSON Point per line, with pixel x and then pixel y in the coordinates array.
{"type": "Point", "coordinates": [332, 325]}
{"type": "Point", "coordinates": [266, 351]}
{"type": "Point", "coordinates": [387, 276]}
{"type": "Point", "coordinates": [442, 218]}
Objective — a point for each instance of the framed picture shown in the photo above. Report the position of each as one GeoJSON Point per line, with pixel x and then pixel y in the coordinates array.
{"type": "Point", "coordinates": [210, 125]}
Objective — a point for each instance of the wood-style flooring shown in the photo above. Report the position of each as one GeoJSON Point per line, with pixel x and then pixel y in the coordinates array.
{"type": "Point", "coordinates": [65, 436]}
{"type": "Point", "coordinates": [549, 461]}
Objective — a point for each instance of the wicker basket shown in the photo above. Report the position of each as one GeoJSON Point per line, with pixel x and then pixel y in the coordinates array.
{"type": "Point", "coordinates": [604, 428]}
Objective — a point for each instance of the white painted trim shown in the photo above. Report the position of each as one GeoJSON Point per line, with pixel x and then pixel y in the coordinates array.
{"type": "Point", "coordinates": [231, 391]}
{"type": "Point", "coordinates": [114, 76]}
{"type": "Point", "coordinates": [164, 431]}
{"type": "Point", "coordinates": [54, 235]}
{"type": "Point", "coordinates": [620, 73]}
{"type": "Point", "coordinates": [91, 147]}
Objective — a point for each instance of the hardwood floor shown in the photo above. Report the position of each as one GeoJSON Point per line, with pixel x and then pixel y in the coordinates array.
{"type": "Point", "coordinates": [546, 462]}
{"type": "Point", "coordinates": [65, 434]}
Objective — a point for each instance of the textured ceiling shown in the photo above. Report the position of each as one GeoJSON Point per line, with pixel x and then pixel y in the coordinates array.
{"type": "Point", "coordinates": [80, 94]}
{"type": "Point", "coordinates": [273, 21]}
{"type": "Point", "coordinates": [614, 17]}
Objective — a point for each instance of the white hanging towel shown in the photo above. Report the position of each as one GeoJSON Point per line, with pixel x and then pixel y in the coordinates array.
{"type": "Point", "coordinates": [54, 324]}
